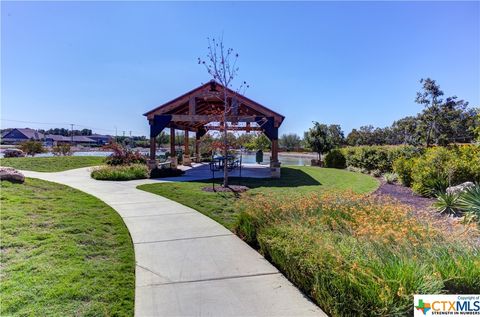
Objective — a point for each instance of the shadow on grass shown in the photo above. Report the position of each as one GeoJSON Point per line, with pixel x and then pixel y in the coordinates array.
{"type": "Point", "coordinates": [291, 177]}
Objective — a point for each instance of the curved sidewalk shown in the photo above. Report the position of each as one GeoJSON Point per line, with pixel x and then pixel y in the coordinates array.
{"type": "Point", "coordinates": [186, 263]}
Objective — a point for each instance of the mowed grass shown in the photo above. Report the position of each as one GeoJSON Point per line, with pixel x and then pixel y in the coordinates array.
{"type": "Point", "coordinates": [295, 179]}
{"type": "Point", "coordinates": [51, 164]}
{"type": "Point", "coordinates": [63, 253]}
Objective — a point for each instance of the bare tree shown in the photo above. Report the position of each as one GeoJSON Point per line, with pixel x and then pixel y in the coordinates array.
{"type": "Point", "coordinates": [221, 65]}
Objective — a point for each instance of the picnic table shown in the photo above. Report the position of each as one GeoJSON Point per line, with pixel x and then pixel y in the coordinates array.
{"type": "Point", "coordinates": [219, 162]}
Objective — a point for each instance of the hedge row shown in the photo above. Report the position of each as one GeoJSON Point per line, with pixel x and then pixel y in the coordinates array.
{"type": "Point", "coordinates": [439, 168]}
{"type": "Point", "coordinates": [381, 158]}
{"type": "Point", "coordinates": [427, 171]}
{"type": "Point", "coordinates": [131, 172]}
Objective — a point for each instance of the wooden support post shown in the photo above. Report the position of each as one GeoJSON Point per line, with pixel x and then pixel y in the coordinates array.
{"type": "Point", "coordinates": [186, 145]}
{"type": "Point", "coordinates": [173, 155]}
{"type": "Point", "coordinates": [187, 161]}
{"type": "Point", "coordinates": [172, 142]}
{"type": "Point", "coordinates": [274, 163]}
{"type": "Point", "coordinates": [197, 149]}
{"type": "Point", "coordinates": [274, 150]}
{"type": "Point", "coordinates": [153, 148]}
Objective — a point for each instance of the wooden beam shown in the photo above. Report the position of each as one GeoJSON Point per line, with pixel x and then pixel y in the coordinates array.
{"type": "Point", "coordinates": [207, 118]}
{"type": "Point", "coordinates": [218, 128]}
{"type": "Point", "coordinates": [182, 127]}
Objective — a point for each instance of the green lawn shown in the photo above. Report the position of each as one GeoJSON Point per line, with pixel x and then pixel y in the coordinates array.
{"type": "Point", "coordinates": [295, 179]}
{"type": "Point", "coordinates": [63, 253]}
{"type": "Point", "coordinates": [51, 164]}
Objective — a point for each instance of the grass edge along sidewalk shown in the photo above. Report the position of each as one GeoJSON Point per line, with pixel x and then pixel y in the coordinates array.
{"type": "Point", "coordinates": [51, 164]}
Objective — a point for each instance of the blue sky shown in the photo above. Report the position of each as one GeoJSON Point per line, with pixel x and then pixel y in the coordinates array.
{"type": "Point", "coordinates": [103, 64]}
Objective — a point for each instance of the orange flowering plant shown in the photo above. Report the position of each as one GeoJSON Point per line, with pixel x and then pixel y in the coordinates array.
{"type": "Point", "coordinates": [340, 247]}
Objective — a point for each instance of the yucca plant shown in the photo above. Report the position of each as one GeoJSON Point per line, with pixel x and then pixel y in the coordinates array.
{"type": "Point", "coordinates": [448, 203]}
{"type": "Point", "coordinates": [469, 202]}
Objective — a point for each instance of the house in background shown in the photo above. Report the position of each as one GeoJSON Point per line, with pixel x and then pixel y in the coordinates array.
{"type": "Point", "coordinates": [101, 139]}
{"type": "Point", "coordinates": [19, 135]}
{"type": "Point", "coordinates": [16, 136]}
{"type": "Point", "coordinates": [54, 139]}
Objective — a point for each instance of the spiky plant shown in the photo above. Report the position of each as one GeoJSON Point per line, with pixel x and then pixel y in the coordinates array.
{"type": "Point", "coordinates": [448, 203]}
{"type": "Point", "coordinates": [469, 202]}
{"type": "Point", "coordinates": [390, 178]}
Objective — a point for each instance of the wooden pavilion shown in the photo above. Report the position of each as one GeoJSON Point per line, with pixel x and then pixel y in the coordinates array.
{"type": "Point", "coordinates": [202, 109]}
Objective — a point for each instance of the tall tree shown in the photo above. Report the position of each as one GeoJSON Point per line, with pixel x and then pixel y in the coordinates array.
{"type": "Point", "coordinates": [320, 138]}
{"type": "Point", "coordinates": [430, 97]}
{"type": "Point", "coordinates": [406, 131]}
{"type": "Point", "coordinates": [290, 141]}
{"type": "Point", "coordinates": [336, 133]}
{"type": "Point", "coordinates": [261, 142]}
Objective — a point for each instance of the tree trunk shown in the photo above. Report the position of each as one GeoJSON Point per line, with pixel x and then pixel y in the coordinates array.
{"type": "Point", "coordinates": [429, 132]}
{"type": "Point", "coordinates": [225, 154]}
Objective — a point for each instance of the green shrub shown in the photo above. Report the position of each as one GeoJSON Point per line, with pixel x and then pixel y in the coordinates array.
{"type": "Point", "coordinates": [403, 167]}
{"type": "Point", "coordinates": [120, 172]}
{"type": "Point", "coordinates": [376, 173]}
{"type": "Point", "coordinates": [335, 159]}
{"type": "Point", "coordinates": [378, 157]}
{"type": "Point", "coordinates": [32, 147]}
{"type": "Point", "coordinates": [373, 255]}
{"type": "Point", "coordinates": [390, 178]}
{"type": "Point", "coordinates": [441, 167]}
{"type": "Point", "coordinates": [123, 156]}
{"type": "Point", "coordinates": [62, 150]}
{"type": "Point", "coordinates": [165, 172]}
{"type": "Point", "coordinates": [357, 169]}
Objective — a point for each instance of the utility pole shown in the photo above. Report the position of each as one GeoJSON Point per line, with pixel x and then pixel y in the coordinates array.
{"type": "Point", "coordinates": [71, 137]}
{"type": "Point", "coordinates": [116, 135]}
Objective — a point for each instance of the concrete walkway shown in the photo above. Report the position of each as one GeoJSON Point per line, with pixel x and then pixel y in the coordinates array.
{"type": "Point", "coordinates": [186, 263]}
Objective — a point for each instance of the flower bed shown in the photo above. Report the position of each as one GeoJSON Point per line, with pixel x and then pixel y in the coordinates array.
{"type": "Point", "coordinates": [120, 172]}
{"type": "Point", "coordinates": [351, 249]}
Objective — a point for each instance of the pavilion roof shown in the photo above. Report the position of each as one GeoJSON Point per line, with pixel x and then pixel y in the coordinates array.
{"type": "Point", "coordinates": [208, 102]}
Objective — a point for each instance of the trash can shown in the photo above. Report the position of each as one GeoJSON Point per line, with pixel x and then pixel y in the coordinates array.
{"type": "Point", "coordinates": [259, 156]}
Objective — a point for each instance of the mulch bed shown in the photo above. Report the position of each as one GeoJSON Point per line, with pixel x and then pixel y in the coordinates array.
{"type": "Point", "coordinates": [404, 195]}
{"type": "Point", "coordinates": [230, 189]}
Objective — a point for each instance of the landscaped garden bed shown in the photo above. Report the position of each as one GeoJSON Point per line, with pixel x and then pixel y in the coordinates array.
{"type": "Point", "coordinates": [120, 172]}
{"type": "Point", "coordinates": [345, 248]}
{"type": "Point", "coordinates": [64, 253]}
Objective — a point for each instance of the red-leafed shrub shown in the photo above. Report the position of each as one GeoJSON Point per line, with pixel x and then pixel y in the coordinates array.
{"type": "Point", "coordinates": [123, 156]}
